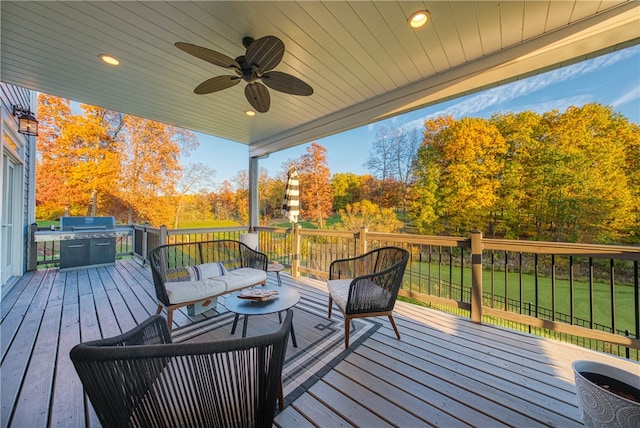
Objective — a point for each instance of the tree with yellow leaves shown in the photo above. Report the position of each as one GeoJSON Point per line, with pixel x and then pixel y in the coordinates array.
{"type": "Point", "coordinates": [106, 163]}
{"type": "Point", "coordinates": [367, 214]}
{"type": "Point", "coordinates": [459, 168]}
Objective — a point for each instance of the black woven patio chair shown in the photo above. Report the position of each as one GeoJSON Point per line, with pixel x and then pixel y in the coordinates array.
{"type": "Point", "coordinates": [141, 379]}
{"type": "Point", "coordinates": [367, 285]}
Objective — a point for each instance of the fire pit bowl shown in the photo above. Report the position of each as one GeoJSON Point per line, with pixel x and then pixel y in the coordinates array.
{"type": "Point", "coordinates": [608, 396]}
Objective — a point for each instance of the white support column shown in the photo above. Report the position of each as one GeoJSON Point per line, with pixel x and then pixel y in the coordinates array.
{"type": "Point", "coordinates": [254, 206]}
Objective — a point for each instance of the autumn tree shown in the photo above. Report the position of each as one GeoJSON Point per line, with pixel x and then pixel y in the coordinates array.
{"type": "Point", "coordinates": [562, 176]}
{"type": "Point", "coordinates": [316, 200]}
{"type": "Point", "coordinates": [462, 164]}
{"type": "Point", "coordinates": [78, 158]}
{"type": "Point", "coordinates": [367, 214]}
{"type": "Point", "coordinates": [370, 189]}
{"type": "Point", "coordinates": [150, 167]}
{"type": "Point", "coordinates": [512, 212]}
{"type": "Point", "coordinates": [196, 178]}
{"type": "Point", "coordinates": [104, 162]}
{"type": "Point", "coordinates": [223, 204]}
{"type": "Point", "coordinates": [346, 189]}
{"type": "Point", "coordinates": [271, 191]}
{"type": "Point", "coordinates": [53, 197]}
{"type": "Point", "coordinates": [100, 153]}
{"type": "Point", "coordinates": [426, 208]}
{"type": "Point", "coordinates": [632, 166]}
{"type": "Point", "coordinates": [241, 199]}
{"type": "Point", "coordinates": [581, 168]}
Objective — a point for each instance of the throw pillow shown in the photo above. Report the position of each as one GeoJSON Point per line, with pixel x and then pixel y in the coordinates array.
{"type": "Point", "coordinates": [206, 270]}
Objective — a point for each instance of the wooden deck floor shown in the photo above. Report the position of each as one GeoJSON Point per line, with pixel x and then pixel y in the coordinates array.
{"type": "Point", "coordinates": [446, 371]}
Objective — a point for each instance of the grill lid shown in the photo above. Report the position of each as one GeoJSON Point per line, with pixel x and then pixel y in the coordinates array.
{"type": "Point", "coordinates": [87, 223]}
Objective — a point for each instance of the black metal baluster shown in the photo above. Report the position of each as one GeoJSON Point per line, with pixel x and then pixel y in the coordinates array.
{"type": "Point", "coordinates": [461, 274]}
{"type": "Point", "coordinates": [439, 271]}
{"type": "Point", "coordinates": [536, 282]}
{"type": "Point", "coordinates": [520, 278]}
{"type": "Point", "coordinates": [493, 279]}
{"type": "Point", "coordinates": [636, 298]}
{"type": "Point", "coordinates": [429, 284]}
{"type": "Point", "coordinates": [612, 295]}
{"type": "Point", "coordinates": [591, 292]}
{"type": "Point", "coordinates": [506, 281]}
{"type": "Point", "coordinates": [571, 289]}
{"type": "Point", "coordinates": [553, 287]}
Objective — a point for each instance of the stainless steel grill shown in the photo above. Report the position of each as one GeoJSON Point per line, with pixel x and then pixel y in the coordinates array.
{"type": "Point", "coordinates": [90, 243]}
{"type": "Point", "coordinates": [85, 241]}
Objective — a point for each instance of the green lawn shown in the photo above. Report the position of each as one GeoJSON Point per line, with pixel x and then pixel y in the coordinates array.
{"type": "Point", "coordinates": [208, 223]}
{"type": "Point", "coordinates": [48, 223]}
{"type": "Point", "coordinates": [624, 295]}
{"type": "Point", "coordinates": [306, 224]}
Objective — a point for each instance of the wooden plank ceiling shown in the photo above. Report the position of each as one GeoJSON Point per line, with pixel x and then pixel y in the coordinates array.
{"type": "Point", "coordinates": [361, 58]}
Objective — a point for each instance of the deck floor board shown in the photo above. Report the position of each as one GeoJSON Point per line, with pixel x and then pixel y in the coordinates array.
{"type": "Point", "coordinates": [445, 370]}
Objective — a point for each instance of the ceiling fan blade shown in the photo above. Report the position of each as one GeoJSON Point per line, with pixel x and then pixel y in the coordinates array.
{"type": "Point", "coordinates": [286, 83]}
{"type": "Point", "coordinates": [216, 84]}
{"type": "Point", "coordinates": [266, 52]}
{"type": "Point", "coordinates": [258, 96]}
{"type": "Point", "coordinates": [209, 55]}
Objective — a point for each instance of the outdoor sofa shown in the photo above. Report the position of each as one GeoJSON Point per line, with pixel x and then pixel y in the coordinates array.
{"type": "Point", "coordinates": [196, 273]}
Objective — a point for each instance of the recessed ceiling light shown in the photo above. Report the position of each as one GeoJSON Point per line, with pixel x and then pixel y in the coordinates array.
{"type": "Point", "coordinates": [250, 113]}
{"type": "Point", "coordinates": [109, 59]}
{"type": "Point", "coordinates": [419, 19]}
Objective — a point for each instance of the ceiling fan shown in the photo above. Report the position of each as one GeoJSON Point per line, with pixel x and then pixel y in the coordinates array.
{"type": "Point", "coordinates": [261, 57]}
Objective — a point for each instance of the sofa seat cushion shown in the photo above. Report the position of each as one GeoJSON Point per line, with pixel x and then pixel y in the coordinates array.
{"type": "Point", "coordinates": [187, 291]}
{"type": "Point", "coordinates": [243, 277]}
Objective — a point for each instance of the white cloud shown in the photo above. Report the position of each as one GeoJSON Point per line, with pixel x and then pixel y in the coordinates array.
{"type": "Point", "coordinates": [492, 97]}
{"type": "Point", "coordinates": [488, 100]}
{"type": "Point", "coordinates": [560, 104]}
{"type": "Point", "coordinates": [627, 97]}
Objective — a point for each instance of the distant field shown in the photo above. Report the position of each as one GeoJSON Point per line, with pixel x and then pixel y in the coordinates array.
{"type": "Point", "coordinates": [208, 223]}
{"type": "Point", "coordinates": [183, 225]}
{"type": "Point", "coordinates": [306, 224]}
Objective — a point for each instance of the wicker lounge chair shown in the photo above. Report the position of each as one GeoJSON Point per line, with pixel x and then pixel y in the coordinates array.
{"type": "Point", "coordinates": [141, 379]}
{"type": "Point", "coordinates": [367, 285]}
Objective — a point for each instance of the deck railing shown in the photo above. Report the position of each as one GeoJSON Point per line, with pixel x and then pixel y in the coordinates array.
{"type": "Point", "coordinates": [581, 293]}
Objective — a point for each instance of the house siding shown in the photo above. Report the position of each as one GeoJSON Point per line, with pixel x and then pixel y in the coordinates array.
{"type": "Point", "coordinates": [25, 151]}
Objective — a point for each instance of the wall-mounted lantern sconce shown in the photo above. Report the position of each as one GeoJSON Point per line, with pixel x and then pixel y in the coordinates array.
{"type": "Point", "coordinates": [27, 123]}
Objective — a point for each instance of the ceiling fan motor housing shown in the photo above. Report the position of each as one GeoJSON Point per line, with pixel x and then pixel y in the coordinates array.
{"type": "Point", "coordinates": [261, 57]}
{"type": "Point", "coordinates": [247, 71]}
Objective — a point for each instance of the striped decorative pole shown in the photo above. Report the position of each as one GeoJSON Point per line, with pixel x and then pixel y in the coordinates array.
{"type": "Point", "coordinates": [291, 205]}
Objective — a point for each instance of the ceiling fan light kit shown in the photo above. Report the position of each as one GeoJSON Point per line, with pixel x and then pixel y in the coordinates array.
{"type": "Point", "coordinates": [255, 66]}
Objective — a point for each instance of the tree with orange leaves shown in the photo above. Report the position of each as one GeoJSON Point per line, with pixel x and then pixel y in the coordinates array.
{"type": "Point", "coordinates": [78, 159]}
{"type": "Point", "coordinates": [150, 168]}
{"type": "Point", "coordinates": [106, 163]}
{"type": "Point", "coordinates": [316, 197]}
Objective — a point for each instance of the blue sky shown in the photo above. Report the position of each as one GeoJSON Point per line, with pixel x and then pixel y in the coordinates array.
{"type": "Point", "coordinates": [612, 79]}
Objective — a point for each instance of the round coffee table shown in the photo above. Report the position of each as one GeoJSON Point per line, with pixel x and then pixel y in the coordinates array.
{"type": "Point", "coordinates": [287, 298]}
